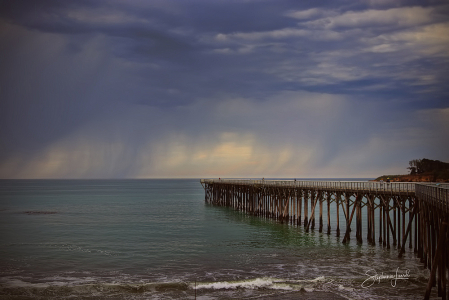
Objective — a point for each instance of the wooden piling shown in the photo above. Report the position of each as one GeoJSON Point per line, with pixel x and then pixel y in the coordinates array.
{"type": "Point", "coordinates": [338, 200]}
{"type": "Point", "coordinates": [328, 212]}
{"type": "Point", "coordinates": [321, 211]}
{"type": "Point", "coordinates": [306, 208]}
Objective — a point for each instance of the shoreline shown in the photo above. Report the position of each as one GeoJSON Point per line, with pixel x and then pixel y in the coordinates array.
{"type": "Point", "coordinates": [413, 178]}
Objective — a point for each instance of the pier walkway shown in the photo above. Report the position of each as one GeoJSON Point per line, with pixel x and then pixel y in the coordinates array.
{"type": "Point", "coordinates": [413, 213]}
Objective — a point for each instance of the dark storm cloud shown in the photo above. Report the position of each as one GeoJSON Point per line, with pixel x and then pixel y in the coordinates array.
{"type": "Point", "coordinates": [182, 88]}
{"type": "Point", "coordinates": [171, 34]}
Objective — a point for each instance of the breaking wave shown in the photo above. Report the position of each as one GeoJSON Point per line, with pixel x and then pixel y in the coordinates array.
{"type": "Point", "coordinates": [86, 288]}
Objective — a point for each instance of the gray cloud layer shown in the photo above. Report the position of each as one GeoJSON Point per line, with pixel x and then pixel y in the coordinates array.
{"type": "Point", "coordinates": [221, 88]}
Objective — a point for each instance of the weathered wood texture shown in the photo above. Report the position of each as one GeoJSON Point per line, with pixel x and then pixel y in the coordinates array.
{"type": "Point", "coordinates": [413, 212]}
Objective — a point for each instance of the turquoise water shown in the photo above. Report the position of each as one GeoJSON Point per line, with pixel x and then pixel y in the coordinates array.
{"type": "Point", "coordinates": [157, 239]}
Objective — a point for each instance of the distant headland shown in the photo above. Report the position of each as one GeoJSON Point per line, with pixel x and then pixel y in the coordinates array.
{"type": "Point", "coordinates": [422, 170]}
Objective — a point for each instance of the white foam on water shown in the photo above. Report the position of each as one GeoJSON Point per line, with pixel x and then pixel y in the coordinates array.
{"type": "Point", "coordinates": [318, 279]}
{"type": "Point", "coordinates": [46, 282]}
{"type": "Point", "coordinates": [342, 287]}
{"type": "Point", "coordinates": [321, 278]}
{"type": "Point", "coordinates": [252, 284]}
{"type": "Point", "coordinates": [14, 282]}
{"type": "Point", "coordinates": [264, 283]}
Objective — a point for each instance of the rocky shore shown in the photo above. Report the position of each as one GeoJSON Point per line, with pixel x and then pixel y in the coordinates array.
{"type": "Point", "coordinates": [413, 178]}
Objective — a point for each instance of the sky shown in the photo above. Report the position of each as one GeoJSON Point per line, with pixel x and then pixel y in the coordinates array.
{"type": "Point", "coordinates": [222, 88]}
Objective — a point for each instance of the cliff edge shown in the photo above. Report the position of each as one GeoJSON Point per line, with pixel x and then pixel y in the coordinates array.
{"type": "Point", "coordinates": [422, 170]}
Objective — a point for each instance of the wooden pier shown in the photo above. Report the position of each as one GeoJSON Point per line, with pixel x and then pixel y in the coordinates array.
{"type": "Point", "coordinates": [413, 215]}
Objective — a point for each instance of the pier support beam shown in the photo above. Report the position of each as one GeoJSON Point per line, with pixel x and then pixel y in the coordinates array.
{"type": "Point", "coordinates": [420, 214]}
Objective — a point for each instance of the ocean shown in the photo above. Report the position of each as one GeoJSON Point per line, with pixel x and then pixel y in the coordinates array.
{"type": "Point", "coordinates": [157, 239]}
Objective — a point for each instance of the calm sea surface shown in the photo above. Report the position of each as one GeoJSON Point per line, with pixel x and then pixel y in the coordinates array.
{"type": "Point", "coordinates": [157, 239]}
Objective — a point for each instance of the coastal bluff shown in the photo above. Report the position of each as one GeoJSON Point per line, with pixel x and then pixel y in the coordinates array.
{"type": "Point", "coordinates": [413, 178]}
{"type": "Point", "coordinates": [422, 170]}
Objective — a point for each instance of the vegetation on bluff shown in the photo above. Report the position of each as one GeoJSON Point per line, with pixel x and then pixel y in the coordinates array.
{"type": "Point", "coordinates": [426, 170]}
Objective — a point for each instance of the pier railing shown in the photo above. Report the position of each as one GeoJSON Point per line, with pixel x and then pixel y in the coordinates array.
{"type": "Point", "coordinates": [435, 194]}
{"type": "Point", "coordinates": [369, 186]}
